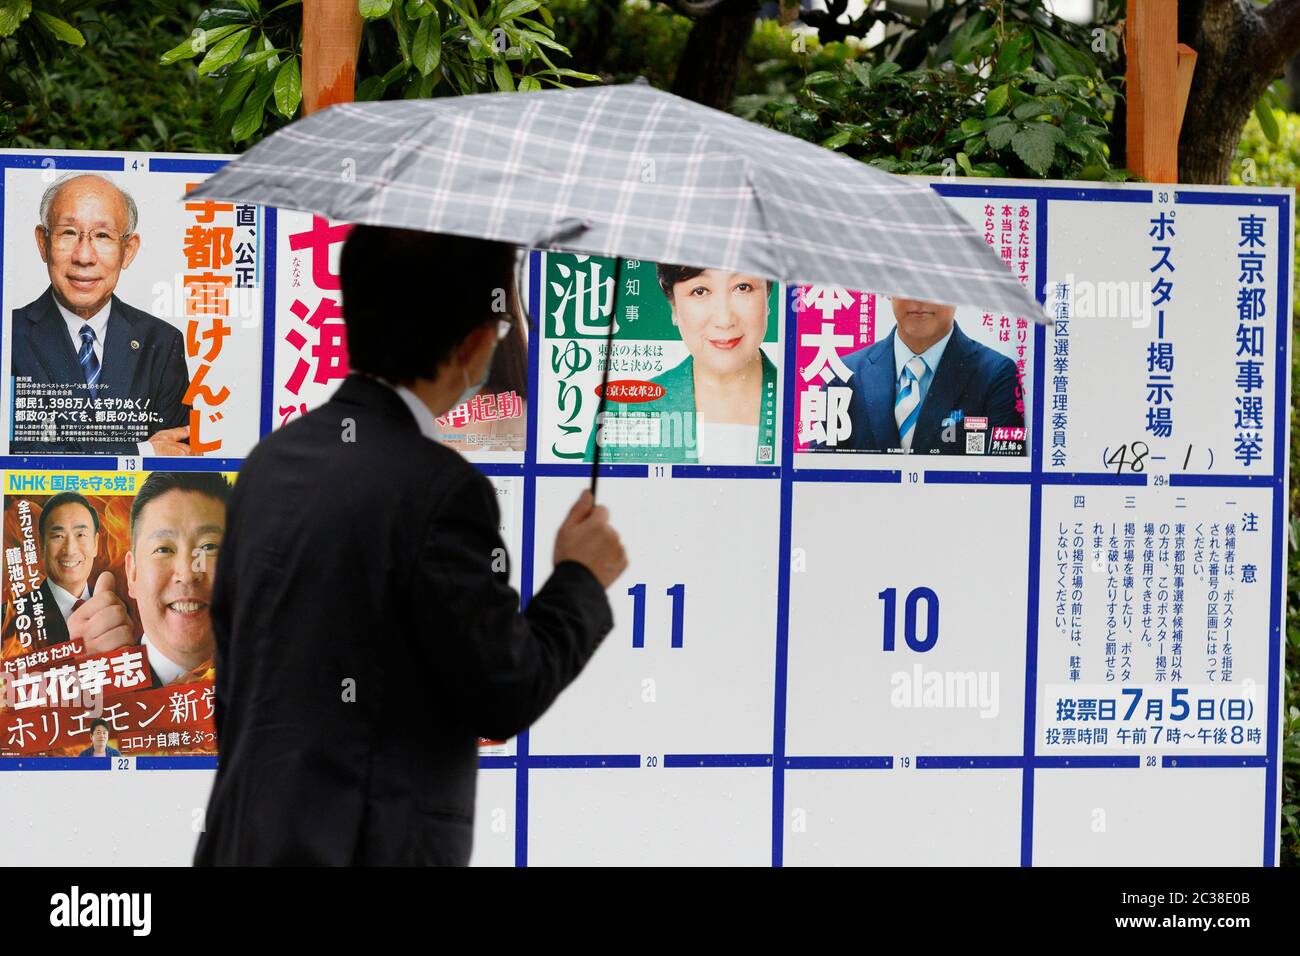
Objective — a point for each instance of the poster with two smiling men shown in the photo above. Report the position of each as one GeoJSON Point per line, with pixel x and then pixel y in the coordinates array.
{"type": "Point", "coordinates": [132, 334]}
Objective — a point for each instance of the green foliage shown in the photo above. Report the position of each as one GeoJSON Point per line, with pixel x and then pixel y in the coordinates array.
{"type": "Point", "coordinates": [409, 48]}
{"type": "Point", "coordinates": [110, 93]}
{"type": "Point", "coordinates": [646, 39]}
{"type": "Point", "coordinates": [1269, 155]}
{"type": "Point", "coordinates": [1019, 94]}
{"type": "Point", "coordinates": [34, 36]}
{"type": "Point", "coordinates": [778, 60]}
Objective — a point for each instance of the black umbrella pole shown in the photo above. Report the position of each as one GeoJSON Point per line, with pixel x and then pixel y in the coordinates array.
{"type": "Point", "coordinates": [604, 376]}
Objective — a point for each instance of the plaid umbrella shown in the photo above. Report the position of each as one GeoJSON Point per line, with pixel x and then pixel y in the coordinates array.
{"type": "Point", "coordinates": [631, 172]}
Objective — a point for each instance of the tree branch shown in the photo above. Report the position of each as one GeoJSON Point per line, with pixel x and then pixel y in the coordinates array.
{"type": "Point", "coordinates": [1278, 30]}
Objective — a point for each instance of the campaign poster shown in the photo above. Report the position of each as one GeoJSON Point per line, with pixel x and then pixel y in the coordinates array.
{"type": "Point", "coordinates": [311, 354]}
{"type": "Point", "coordinates": [107, 645]}
{"type": "Point", "coordinates": [694, 365]}
{"type": "Point", "coordinates": [132, 316]}
{"type": "Point", "coordinates": [893, 375]}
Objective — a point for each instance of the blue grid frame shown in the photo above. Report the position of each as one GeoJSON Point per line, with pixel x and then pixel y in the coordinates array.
{"type": "Point", "coordinates": [522, 762]}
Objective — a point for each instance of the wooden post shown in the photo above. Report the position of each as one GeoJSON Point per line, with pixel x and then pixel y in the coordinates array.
{"type": "Point", "coordinates": [1154, 107]}
{"type": "Point", "coordinates": [331, 36]}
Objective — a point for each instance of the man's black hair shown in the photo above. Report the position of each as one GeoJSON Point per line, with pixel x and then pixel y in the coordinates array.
{"type": "Point", "coordinates": [160, 482]}
{"type": "Point", "coordinates": [100, 722]}
{"type": "Point", "coordinates": [58, 501]}
{"type": "Point", "coordinates": [410, 297]}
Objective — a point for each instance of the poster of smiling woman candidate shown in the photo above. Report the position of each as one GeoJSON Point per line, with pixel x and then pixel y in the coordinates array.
{"type": "Point", "coordinates": [693, 375]}
{"type": "Point", "coordinates": [132, 318]}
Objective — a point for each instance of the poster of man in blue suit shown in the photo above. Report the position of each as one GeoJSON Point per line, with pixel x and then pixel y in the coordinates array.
{"type": "Point", "coordinates": [927, 388]}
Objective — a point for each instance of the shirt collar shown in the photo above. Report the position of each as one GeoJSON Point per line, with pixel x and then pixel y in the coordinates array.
{"type": "Point", "coordinates": [419, 411]}
{"type": "Point", "coordinates": [932, 355]}
{"type": "Point", "coordinates": [98, 321]}
{"type": "Point", "coordinates": [65, 598]}
{"type": "Point", "coordinates": [168, 670]}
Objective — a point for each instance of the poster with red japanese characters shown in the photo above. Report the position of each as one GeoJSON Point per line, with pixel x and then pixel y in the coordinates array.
{"type": "Point", "coordinates": [107, 647]}
{"type": "Point", "coordinates": [891, 376]}
{"type": "Point", "coordinates": [311, 355]}
{"type": "Point", "coordinates": [132, 318]}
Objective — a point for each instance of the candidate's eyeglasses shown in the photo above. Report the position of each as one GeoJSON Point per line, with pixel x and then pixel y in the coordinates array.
{"type": "Point", "coordinates": [66, 238]}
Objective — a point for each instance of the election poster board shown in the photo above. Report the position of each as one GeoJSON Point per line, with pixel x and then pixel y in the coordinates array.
{"type": "Point", "coordinates": [1022, 604]}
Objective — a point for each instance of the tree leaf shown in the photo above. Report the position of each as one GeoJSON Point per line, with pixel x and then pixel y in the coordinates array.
{"type": "Point", "coordinates": [1031, 108]}
{"type": "Point", "coordinates": [996, 99]}
{"type": "Point", "coordinates": [12, 13]}
{"type": "Point", "coordinates": [287, 87]}
{"type": "Point", "coordinates": [371, 88]}
{"type": "Point", "coordinates": [1035, 146]}
{"type": "Point", "coordinates": [251, 116]}
{"type": "Point", "coordinates": [199, 41]}
{"type": "Point", "coordinates": [426, 50]}
{"type": "Point", "coordinates": [1000, 135]}
{"type": "Point", "coordinates": [472, 25]}
{"type": "Point", "coordinates": [62, 29]}
{"type": "Point", "coordinates": [374, 9]}
{"type": "Point", "coordinates": [227, 51]}
{"type": "Point", "coordinates": [1267, 122]}
{"type": "Point", "coordinates": [517, 8]}
{"type": "Point", "coordinates": [964, 162]}
{"type": "Point", "coordinates": [861, 72]}
{"type": "Point", "coordinates": [236, 88]}
{"type": "Point", "coordinates": [501, 73]}
{"type": "Point", "coordinates": [842, 138]}
{"type": "Point", "coordinates": [222, 13]}
{"type": "Point", "coordinates": [246, 63]}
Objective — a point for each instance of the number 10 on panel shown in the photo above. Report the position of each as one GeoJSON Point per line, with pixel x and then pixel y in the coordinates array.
{"type": "Point", "coordinates": [914, 598]}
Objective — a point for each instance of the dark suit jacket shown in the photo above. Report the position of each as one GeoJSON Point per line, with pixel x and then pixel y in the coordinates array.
{"type": "Point", "coordinates": [971, 378]}
{"type": "Point", "coordinates": [56, 628]}
{"type": "Point", "coordinates": [154, 369]}
{"type": "Point", "coordinates": [365, 640]}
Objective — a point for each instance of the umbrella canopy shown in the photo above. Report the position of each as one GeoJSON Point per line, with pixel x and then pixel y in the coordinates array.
{"type": "Point", "coordinates": [629, 171]}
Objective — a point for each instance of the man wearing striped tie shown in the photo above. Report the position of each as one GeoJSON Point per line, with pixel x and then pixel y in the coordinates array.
{"type": "Point", "coordinates": [913, 390]}
{"type": "Point", "coordinates": [80, 341]}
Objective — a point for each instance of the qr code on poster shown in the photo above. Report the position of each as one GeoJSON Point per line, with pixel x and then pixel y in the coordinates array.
{"type": "Point", "coordinates": [764, 452]}
{"type": "Point", "coordinates": [974, 443]}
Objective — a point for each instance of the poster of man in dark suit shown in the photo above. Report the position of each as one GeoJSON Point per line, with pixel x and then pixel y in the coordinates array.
{"type": "Point", "coordinates": [92, 374]}
{"type": "Point", "coordinates": [929, 389]}
{"type": "Point", "coordinates": [69, 529]}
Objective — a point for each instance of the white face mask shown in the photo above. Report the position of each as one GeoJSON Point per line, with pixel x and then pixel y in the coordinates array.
{"type": "Point", "coordinates": [472, 390]}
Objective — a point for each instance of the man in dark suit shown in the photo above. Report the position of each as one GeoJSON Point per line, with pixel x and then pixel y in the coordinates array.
{"type": "Point", "coordinates": [68, 530]}
{"type": "Point", "coordinates": [367, 634]}
{"type": "Point", "coordinates": [914, 389]}
{"type": "Point", "coordinates": [79, 337]}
